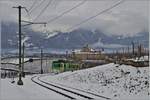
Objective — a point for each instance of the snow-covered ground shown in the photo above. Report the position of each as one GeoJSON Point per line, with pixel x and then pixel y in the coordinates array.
{"type": "Point", "coordinates": [29, 91]}
{"type": "Point", "coordinates": [119, 82]}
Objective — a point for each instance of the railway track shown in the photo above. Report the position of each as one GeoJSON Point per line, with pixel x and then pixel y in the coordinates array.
{"type": "Point", "coordinates": [70, 93]}
{"type": "Point", "coordinates": [33, 80]}
{"type": "Point", "coordinates": [82, 91]}
{"type": "Point", "coordinates": [60, 90]}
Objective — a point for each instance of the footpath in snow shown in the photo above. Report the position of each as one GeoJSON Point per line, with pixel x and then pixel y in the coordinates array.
{"type": "Point", "coordinates": [119, 82]}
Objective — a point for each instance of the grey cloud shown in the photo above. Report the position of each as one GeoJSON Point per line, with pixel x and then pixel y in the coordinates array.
{"type": "Point", "coordinates": [127, 19]}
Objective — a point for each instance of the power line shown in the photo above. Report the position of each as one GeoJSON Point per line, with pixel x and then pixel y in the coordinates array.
{"type": "Point", "coordinates": [35, 1]}
{"type": "Point", "coordinates": [55, 18]}
{"type": "Point", "coordinates": [42, 11]}
{"type": "Point", "coordinates": [28, 14]}
{"type": "Point", "coordinates": [84, 21]}
{"type": "Point", "coordinates": [31, 9]}
{"type": "Point", "coordinates": [69, 10]}
{"type": "Point", "coordinates": [37, 6]}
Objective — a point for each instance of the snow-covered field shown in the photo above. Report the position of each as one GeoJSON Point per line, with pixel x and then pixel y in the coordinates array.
{"type": "Point", "coordinates": [29, 91]}
{"type": "Point", "coordinates": [119, 82]}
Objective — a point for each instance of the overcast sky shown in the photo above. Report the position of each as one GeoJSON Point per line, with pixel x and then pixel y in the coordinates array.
{"type": "Point", "coordinates": [127, 19]}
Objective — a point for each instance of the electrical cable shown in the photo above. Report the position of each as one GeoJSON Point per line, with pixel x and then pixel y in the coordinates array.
{"type": "Point", "coordinates": [84, 21]}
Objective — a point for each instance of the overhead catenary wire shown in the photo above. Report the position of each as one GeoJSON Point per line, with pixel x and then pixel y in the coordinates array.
{"type": "Point", "coordinates": [69, 10]}
{"type": "Point", "coordinates": [84, 21]}
{"type": "Point", "coordinates": [27, 11]}
{"type": "Point", "coordinates": [65, 12]}
{"type": "Point", "coordinates": [35, 1]}
{"type": "Point", "coordinates": [43, 10]}
{"type": "Point", "coordinates": [29, 17]}
{"type": "Point", "coordinates": [34, 8]}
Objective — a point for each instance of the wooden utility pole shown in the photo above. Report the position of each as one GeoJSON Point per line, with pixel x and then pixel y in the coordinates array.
{"type": "Point", "coordinates": [66, 55]}
{"type": "Point", "coordinates": [123, 51]}
{"type": "Point", "coordinates": [20, 82]}
{"type": "Point", "coordinates": [128, 50]}
{"type": "Point", "coordinates": [133, 53]}
{"type": "Point", "coordinates": [139, 50]}
{"type": "Point", "coordinates": [41, 61]}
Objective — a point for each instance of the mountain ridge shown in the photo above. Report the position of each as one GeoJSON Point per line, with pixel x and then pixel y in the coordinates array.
{"type": "Point", "coordinates": [71, 40]}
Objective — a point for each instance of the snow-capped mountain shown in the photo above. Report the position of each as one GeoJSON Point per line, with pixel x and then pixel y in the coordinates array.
{"type": "Point", "coordinates": [75, 39]}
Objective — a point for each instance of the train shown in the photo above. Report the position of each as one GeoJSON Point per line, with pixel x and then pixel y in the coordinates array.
{"type": "Point", "coordinates": [59, 66]}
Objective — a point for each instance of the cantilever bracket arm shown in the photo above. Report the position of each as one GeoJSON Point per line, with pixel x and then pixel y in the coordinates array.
{"type": "Point", "coordinates": [30, 23]}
